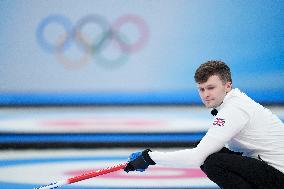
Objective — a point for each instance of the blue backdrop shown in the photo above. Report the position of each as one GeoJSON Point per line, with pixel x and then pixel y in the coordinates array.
{"type": "Point", "coordinates": [136, 51]}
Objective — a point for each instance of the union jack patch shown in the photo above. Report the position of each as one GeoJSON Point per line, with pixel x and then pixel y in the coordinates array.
{"type": "Point", "coordinates": [219, 122]}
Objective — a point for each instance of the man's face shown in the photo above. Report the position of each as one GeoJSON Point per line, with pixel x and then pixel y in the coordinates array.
{"type": "Point", "coordinates": [213, 91]}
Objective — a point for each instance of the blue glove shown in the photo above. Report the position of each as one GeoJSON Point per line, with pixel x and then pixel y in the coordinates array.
{"type": "Point", "coordinates": [139, 161]}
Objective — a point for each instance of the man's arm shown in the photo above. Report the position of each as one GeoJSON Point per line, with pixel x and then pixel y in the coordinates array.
{"type": "Point", "coordinates": [225, 126]}
{"type": "Point", "coordinates": [188, 157]}
{"type": "Point", "coordinates": [228, 123]}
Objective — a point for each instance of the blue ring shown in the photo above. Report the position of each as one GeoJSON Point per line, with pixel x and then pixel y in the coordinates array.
{"type": "Point", "coordinates": [7, 163]}
{"type": "Point", "coordinates": [61, 20]}
{"type": "Point", "coordinates": [9, 185]}
{"type": "Point", "coordinates": [11, 162]}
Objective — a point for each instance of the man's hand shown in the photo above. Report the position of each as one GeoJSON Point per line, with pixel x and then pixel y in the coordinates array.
{"type": "Point", "coordinates": [139, 161]}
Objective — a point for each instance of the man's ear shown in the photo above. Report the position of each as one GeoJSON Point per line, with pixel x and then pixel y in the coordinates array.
{"type": "Point", "coordinates": [228, 86]}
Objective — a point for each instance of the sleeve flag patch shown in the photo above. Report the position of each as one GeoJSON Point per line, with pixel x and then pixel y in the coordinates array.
{"type": "Point", "coordinates": [219, 122]}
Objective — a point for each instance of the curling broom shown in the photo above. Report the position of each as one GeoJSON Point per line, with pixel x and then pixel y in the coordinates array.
{"type": "Point", "coordinates": [84, 176]}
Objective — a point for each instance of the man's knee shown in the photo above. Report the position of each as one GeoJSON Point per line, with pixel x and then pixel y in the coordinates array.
{"type": "Point", "coordinates": [211, 163]}
{"type": "Point", "coordinates": [220, 159]}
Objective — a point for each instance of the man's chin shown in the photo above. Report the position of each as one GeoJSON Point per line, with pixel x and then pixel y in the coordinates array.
{"type": "Point", "coordinates": [210, 106]}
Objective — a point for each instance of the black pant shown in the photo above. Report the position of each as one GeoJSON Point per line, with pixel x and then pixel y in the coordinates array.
{"type": "Point", "coordinates": [231, 170]}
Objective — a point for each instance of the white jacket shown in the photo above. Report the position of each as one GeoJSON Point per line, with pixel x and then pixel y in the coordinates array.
{"type": "Point", "coordinates": [242, 125]}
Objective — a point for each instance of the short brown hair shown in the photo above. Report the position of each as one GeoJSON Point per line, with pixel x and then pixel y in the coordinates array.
{"type": "Point", "coordinates": [210, 68]}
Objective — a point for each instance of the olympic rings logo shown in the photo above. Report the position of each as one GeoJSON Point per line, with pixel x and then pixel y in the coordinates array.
{"type": "Point", "coordinates": [92, 43]}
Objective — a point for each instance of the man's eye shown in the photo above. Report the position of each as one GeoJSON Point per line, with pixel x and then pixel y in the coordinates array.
{"type": "Point", "coordinates": [210, 88]}
{"type": "Point", "coordinates": [201, 90]}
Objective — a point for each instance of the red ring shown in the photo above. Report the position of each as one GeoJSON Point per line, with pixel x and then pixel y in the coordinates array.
{"type": "Point", "coordinates": [142, 26]}
{"type": "Point", "coordinates": [177, 173]}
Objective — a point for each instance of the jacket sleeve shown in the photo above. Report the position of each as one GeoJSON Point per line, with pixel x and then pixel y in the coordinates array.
{"type": "Point", "coordinates": [188, 157]}
{"type": "Point", "coordinates": [225, 126]}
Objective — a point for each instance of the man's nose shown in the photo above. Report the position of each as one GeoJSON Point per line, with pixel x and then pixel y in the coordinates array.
{"type": "Point", "coordinates": [206, 93]}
